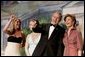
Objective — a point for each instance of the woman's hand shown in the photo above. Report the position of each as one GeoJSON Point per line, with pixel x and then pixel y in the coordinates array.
{"type": "Point", "coordinates": [79, 52]}
{"type": "Point", "coordinates": [13, 17]}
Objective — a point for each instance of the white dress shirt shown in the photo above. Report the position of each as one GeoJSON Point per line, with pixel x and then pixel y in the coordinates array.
{"type": "Point", "coordinates": [51, 30]}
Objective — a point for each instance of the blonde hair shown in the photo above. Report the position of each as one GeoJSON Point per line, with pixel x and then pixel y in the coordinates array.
{"type": "Point", "coordinates": [12, 26]}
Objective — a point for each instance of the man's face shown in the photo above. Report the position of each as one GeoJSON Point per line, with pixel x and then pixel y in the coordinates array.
{"type": "Point", "coordinates": [55, 18]}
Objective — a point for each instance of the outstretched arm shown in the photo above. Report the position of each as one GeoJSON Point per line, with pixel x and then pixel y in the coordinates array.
{"type": "Point", "coordinates": [5, 29]}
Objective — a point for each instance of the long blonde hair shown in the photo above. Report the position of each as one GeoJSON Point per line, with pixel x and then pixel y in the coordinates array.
{"type": "Point", "coordinates": [12, 25]}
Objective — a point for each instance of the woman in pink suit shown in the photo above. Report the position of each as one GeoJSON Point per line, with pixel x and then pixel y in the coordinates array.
{"type": "Point", "coordinates": [72, 39]}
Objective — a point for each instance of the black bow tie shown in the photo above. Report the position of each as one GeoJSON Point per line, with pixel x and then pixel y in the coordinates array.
{"type": "Point", "coordinates": [52, 25]}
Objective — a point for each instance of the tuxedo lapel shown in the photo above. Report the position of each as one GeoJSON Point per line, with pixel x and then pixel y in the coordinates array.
{"type": "Point", "coordinates": [54, 33]}
{"type": "Point", "coordinates": [47, 30]}
{"type": "Point", "coordinates": [41, 46]}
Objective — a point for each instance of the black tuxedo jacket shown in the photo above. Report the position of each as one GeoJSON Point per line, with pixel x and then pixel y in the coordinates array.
{"type": "Point", "coordinates": [52, 46]}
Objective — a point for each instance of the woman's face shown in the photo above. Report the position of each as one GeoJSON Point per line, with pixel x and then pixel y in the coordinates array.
{"type": "Point", "coordinates": [69, 22]}
{"type": "Point", "coordinates": [32, 24]}
{"type": "Point", "coordinates": [17, 24]}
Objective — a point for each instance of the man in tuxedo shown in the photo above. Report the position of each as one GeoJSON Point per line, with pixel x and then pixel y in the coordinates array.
{"type": "Point", "coordinates": [51, 42]}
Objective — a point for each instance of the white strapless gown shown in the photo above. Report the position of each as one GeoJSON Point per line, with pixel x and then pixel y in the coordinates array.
{"type": "Point", "coordinates": [12, 49]}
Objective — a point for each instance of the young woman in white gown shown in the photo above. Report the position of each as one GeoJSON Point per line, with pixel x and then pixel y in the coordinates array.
{"type": "Point", "coordinates": [32, 39]}
{"type": "Point", "coordinates": [15, 39]}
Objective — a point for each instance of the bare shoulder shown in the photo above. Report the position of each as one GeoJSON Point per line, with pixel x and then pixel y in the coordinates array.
{"type": "Point", "coordinates": [28, 35]}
